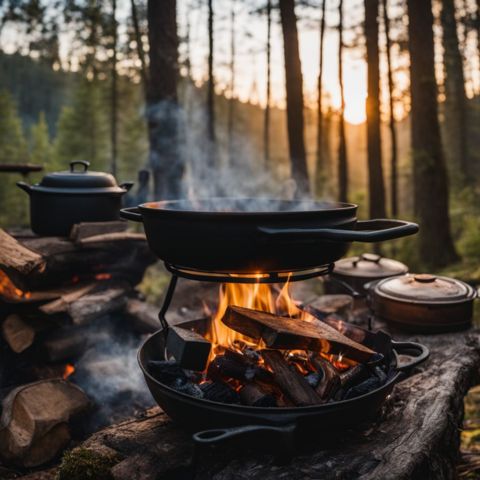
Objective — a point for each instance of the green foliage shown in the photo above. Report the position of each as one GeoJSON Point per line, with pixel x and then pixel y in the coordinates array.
{"type": "Point", "coordinates": [84, 464]}
{"type": "Point", "coordinates": [41, 151]}
{"type": "Point", "coordinates": [13, 149]}
{"type": "Point", "coordinates": [82, 128]}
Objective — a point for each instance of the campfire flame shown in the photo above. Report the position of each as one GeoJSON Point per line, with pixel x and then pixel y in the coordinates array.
{"type": "Point", "coordinates": [69, 370]}
{"type": "Point", "coordinates": [9, 290]}
{"type": "Point", "coordinates": [261, 297]}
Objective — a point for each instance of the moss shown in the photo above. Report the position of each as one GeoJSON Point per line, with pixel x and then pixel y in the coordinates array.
{"type": "Point", "coordinates": [84, 464]}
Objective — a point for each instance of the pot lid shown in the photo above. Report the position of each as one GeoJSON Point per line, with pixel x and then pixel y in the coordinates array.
{"type": "Point", "coordinates": [369, 265]}
{"type": "Point", "coordinates": [425, 288]}
{"type": "Point", "coordinates": [79, 179]}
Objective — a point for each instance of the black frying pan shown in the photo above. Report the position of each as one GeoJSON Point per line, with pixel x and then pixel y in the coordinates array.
{"type": "Point", "coordinates": [215, 422]}
{"type": "Point", "coordinates": [253, 235]}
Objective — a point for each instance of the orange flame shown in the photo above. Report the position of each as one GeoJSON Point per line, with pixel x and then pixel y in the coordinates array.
{"type": "Point", "coordinates": [69, 370]}
{"type": "Point", "coordinates": [9, 290]}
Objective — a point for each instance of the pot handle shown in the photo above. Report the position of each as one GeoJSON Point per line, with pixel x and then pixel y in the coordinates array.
{"type": "Point", "coordinates": [84, 163]}
{"type": "Point", "coordinates": [131, 213]}
{"type": "Point", "coordinates": [127, 185]}
{"type": "Point", "coordinates": [419, 352]}
{"type": "Point", "coordinates": [25, 186]}
{"type": "Point", "coordinates": [365, 231]}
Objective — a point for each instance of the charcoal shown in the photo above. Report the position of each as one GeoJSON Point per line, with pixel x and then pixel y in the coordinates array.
{"type": "Point", "coordinates": [188, 388]}
{"type": "Point", "coordinates": [219, 392]}
{"type": "Point", "coordinates": [314, 378]}
{"type": "Point", "coordinates": [234, 365]}
{"type": "Point", "coordinates": [167, 372]}
{"type": "Point", "coordinates": [252, 354]}
{"type": "Point", "coordinates": [354, 376]}
{"type": "Point", "coordinates": [365, 387]}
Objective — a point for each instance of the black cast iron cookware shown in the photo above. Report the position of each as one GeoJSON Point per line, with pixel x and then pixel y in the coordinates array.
{"type": "Point", "coordinates": [63, 199]}
{"type": "Point", "coordinates": [223, 421]}
{"type": "Point", "coordinates": [252, 235]}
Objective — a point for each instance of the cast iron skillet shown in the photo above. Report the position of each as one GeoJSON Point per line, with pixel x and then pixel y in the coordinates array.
{"type": "Point", "coordinates": [215, 422]}
{"type": "Point", "coordinates": [252, 235]}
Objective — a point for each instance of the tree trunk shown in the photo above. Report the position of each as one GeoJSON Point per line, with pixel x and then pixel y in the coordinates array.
{"type": "Point", "coordinates": [429, 172]}
{"type": "Point", "coordinates": [210, 85]}
{"type": "Point", "coordinates": [391, 123]}
{"type": "Point", "coordinates": [231, 102]}
{"type": "Point", "coordinates": [163, 110]}
{"type": "Point", "coordinates": [114, 105]}
{"type": "Point", "coordinates": [342, 146]}
{"type": "Point", "coordinates": [266, 125]}
{"type": "Point", "coordinates": [455, 141]}
{"type": "Point", "coordinates": [140, 52]}
{"type": "Point", "coordinates": [294, 88]}
{"type": "Point", "coordinates": [376, 188]}
{"type": "Point", "coordinates": [320, 170]}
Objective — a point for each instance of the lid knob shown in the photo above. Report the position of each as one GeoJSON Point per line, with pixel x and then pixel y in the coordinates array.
{"type": "Point", "coordinates": [84, 163]}
{"type": "Point", "coordinates": [424, 278]}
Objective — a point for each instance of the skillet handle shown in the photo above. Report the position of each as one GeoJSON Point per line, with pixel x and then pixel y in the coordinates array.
{"type": "Point", "coordinates": [419, 352]}
{"type": "Point", "coordinates": [365, 231]}
{"type": "Point", "coordinates": [131, 213]}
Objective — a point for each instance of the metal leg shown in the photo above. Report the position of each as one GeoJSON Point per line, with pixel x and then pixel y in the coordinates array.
{"type": "Point", "coordinates": [166, 302]}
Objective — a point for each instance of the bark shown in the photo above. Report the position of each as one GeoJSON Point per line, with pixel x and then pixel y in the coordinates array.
{"type": "Point", "coordinates": [342, 146]}
{"type": "Point", "coordinates": [376, 188]}
{"type": "Point", "coordinates": [163, 109]}
{"type": "Point", "coordinates": [211, 78]}
{"type": "Point", "coordinates": [429, 172]}
{"type": "Point", "coordinates": [320, 171]}
{"type": "Point", "coordinates": [266, 125]}
{"type": "Point", "coordinates": [294, 88]}
{"type": "Point", "coordinates": [391, 123]}
{"type": "Point", "coordinates": [140, 51]}
{"type": "Point", "coordinates": [114, 99]}
{"type": "Point", "coordinates": [455, 140]}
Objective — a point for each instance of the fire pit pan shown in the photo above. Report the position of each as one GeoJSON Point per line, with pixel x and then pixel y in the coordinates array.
{"type": "Point", "coordinates": [306, 423]}
{"type": "Point", "coordinates": [251, 235]}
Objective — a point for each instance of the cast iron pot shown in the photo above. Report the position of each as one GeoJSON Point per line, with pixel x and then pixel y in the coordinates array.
{"type": "Point", "coordinates": [63, 199]}
{"type": "Point", "coordinates": [423, 303]}
{"type": "Point", "coordinates": [252, 235]}
{"type": "Point", "coordinates": [224, 421]}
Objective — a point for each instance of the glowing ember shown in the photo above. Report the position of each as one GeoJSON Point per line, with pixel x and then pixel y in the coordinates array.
{"type": "Point", "coordinates": [103, 276]}
{"type": "Point", "coordinates": [69, 370]}
{"type": "Point", "coordinates": [9, 290]}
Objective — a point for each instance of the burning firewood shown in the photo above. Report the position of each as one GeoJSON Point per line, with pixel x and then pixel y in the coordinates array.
{"type": "Point", "coordinates": [219, 392]}
{"type": "Point", "coordinates": [353, 375]}
{"type": "Point", "coordinates": [288, 334]}
{"type": "Point", "coordinates": [254, 395]}
{"type": "Point", "coordinates": [188, 348]}
{"type": "Point", "coordinates": [290, 382]}
{"type": "Point", "coordinates": [330, 382]}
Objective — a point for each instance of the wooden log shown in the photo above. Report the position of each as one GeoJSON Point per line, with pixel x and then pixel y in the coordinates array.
{"type": "Point", "coordinates": [253, 394]}
{"type": "Point", "coordinates": [18, 333]}
{"type": "Point", "coordinates": [34, 423]}
{"type": "Point", "coordinates": [83, 230]}
{"type": "Point", "coordinates": [287, 333]}
{"type": "Point", "coordinates": [112, 237]}
{"type": "Point", "coordinates": [188, 348]}
{"type": "Point", "coordinates": [330, 382]}
{"type": "Point", "coordinates": [62, 304]}
{"type": "Point", "coordinates": [110, 298]}
{"type": "Point", "coordinates": [144, 317]}
{"type": "Point", "coordinates": [290, 382]}
{"type": "Point", "coordinates": [15, 257]}
{"type": "Point", "coordinates": [325, 305]}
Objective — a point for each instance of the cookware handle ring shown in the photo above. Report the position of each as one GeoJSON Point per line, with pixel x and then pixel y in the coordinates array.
{"type": "Point", "coordinates": [365, 231]}
{"type": "Point", "coordinates": [131, 213]}
{"type": "Point", "coordinates": [419, 352]}
{"type": "Point", "coordinates": [84, 163]}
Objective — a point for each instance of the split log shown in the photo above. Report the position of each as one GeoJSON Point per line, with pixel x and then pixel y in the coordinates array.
{"type": "Point", "coordinates": [18, 333]}
{"type": "Point", "coordinates": [143, 315]}
{"type": "Point", "coordinates": [188, 348]}
{"type": "Point", "coordinates": [153, 447]}
{"type": "Point", "coordinates": [97, 304]}
{"type": "Point", "coordinates": [34, 424]}
{"type": "Point", "coordinates": [290, 382]}
{"type": "Point", "coordinates": [253, 394]}
{"type": "Point", "coordinates": [15, 257]}
{"type": "Point", "coordinates": [83, 230]}
{"type": "Point", "coordinates": [289, 334]}
{"type": "Point", "coordinates": [62, 304]}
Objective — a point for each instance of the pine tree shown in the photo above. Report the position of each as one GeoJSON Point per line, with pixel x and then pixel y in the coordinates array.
{"type": "Point", "coordinates": [41, 148]}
